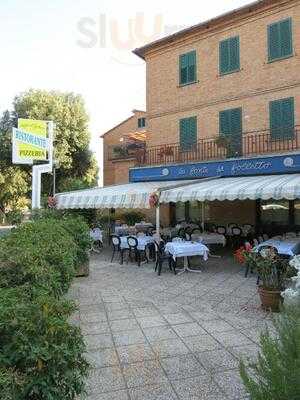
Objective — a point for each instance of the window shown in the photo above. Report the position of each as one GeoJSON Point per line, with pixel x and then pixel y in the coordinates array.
{"type": "Point", "coordinates": [230, 122]}
{"type": "Point", "coordinates": [280, 40]}
{"type": "Point", "coordinates": [229, 55]}
{"type": "Point", "coordinates": [188, 133]}
{"type": "Point", "coordinates": [282, 118]}
{"type": "Point", "coordinates": [187, 68]}
{"type": "Point", "coordinates": [141, 122]}
{"type": "Point", "coordinates": [274, 212]}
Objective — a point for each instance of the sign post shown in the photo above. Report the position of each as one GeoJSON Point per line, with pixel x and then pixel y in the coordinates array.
{"type": "Point", "coordinates": [33, 141]}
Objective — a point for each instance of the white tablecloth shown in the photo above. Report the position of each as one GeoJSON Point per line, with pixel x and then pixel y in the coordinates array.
{"type": "Point", "coordinates": [142, 242]}
{"type": "Point", "coordinates": [187, 249]}
{"type": "Point", "coordinates": [288, 247]}
{"type": "Point", "coordinates": [212, 238]}
{"type": "Point", "coordinates": [96, 234]}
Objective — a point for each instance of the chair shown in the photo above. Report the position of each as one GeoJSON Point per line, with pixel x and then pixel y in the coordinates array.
{"type": "Point", "coordinates": [187, 237]}
{"type": "Point", "coordinates": [177, 239]}
{"type": "Point", "coordinates": [221, 230]}
{"type": "Point", "coordinates": [265, 236]}
{"type": "Point", "coordinates": [197, 231]}
{"type": "Point", "coordinates": [133, 249]}
{"type": "Point", "coordinates": [236, 236]}
{"type": "Point", "coordinates": [162, 256]}
{"type": "Point", "coordinates": [181, 233]}
{"type": "Point", "coordinates": [116, 243]}
{"type": "Point", "coordinates": [260, 239]}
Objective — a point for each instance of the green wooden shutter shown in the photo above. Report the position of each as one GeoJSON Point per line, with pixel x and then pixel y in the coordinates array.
{"type": "Point", "coordinates": [183, 69]}
{"type": "Point", "coordinates": [224, 57]}
{"type": "Point", "coordinates": [188, 133]}
{"type": "Point", "coordinates": [191, 66]}
{"type": "Point", "coordinates": [286, 40]}
{"type": "Point", "coordinates": [280, 40]}
{"type": "Point", "coordinates": [282, 118]}
{"type": "Point", "coordinates": [234, 53]}
{"type": "Point", "coordinates": [224, 124]}
{"type": "Point", "coordinates": [236, 121]}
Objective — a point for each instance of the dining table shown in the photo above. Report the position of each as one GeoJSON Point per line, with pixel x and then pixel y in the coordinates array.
{"type": "Point", "coordinates": [187, 249]}
{"type": "Point", "coordinates": [143, 241]}
{"type": "Point", "coordinates": [211, 238]}
{"type": "Point", "coordinates": [287, 247]}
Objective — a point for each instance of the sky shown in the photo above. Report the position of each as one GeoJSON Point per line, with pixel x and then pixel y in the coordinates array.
{"type": "Point", "coordinates": [85, 46]}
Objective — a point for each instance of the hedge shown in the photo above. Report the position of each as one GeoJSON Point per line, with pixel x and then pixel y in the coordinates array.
{"type": "Point", "coordinates": [41, 353]}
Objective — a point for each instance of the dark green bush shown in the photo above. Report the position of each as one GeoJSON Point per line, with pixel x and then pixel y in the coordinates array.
{"type": "Point", "coordinates": [130, 217]}
{"type": "Point", "coordinates": [41, 253]}
{"type": "Point", "coordinates": [14, 217]}
{"type": "Point", "coordinates": [276, 374]}
{"type": "Point", "coordinates": [40, 353]}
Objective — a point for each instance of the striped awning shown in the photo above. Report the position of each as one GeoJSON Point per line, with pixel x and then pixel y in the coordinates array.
{"type": "Point", "coordinates": [265, 187]}
{"type": "Point", "coordinates": [131, 195]}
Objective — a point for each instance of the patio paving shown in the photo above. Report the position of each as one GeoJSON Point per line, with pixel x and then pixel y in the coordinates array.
{"type": "Point", "coordinates": [167, 337]}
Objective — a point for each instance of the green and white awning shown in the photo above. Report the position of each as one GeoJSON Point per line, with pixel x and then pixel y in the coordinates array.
{"type": "Point", "coordinates": [131, 195]}
{"type": "Point", "coordinates": [266, 187]}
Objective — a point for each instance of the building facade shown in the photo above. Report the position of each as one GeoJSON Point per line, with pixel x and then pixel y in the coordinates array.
{"type": "Point", "coordinates": [120, 147]}
{"type": "Point", "coordinates": [223, 96]}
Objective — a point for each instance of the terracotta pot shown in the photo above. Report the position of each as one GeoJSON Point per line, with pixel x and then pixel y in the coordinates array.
{"type": "Point", "coordinates": [270, 299]}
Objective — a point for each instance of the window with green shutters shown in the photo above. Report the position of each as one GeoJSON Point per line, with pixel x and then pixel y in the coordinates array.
{"type": "Point", "coordinates": [187, 68]}
{"type": "Point", "coordinates": [229, 55]}
{"type": "Point", "coordinates": [230, 122]}
{"type": "Point", "coordinates": [141, 122]}
{"type": "Point", "coordinates": [280, 40]}
{"type": "Point", "coordinates": [282, 118]}
{"type": "Point", "coordinates": [187, 133]}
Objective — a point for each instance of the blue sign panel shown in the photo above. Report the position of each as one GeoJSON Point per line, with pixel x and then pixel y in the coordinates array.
{"type": "Point", "coordinates": [239, 167]}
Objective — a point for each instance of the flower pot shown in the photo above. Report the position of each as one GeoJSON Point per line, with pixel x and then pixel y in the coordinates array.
{"type": "Point", "coordinates": [83, 270]}
{"type": "Point", "coordinates": [270, 299]}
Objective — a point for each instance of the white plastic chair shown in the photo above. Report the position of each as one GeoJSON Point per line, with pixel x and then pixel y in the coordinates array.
{"type": "Point", "coordinates": [177, 239]}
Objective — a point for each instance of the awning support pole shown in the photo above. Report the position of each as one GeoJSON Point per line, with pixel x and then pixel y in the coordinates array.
{"type": "Point", "coordinates": [157, 215]}
{"type": "Point", "coordinates": [202, 215]}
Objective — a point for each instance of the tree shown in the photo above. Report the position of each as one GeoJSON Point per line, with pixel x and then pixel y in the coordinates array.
{"type": "Point", "coordinates": [71, 135]}
{"type": "Point", "coordinates": [14, 180]}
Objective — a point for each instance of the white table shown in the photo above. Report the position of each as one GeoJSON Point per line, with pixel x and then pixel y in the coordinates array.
{"type": "Point", "coordinates": [142, 241]}
{"type": "Point", "coordinates": [187, 249]}
{"type": "Point", "coordinates": [287, 247]}
{"type": "Point", "coordinates": [96, 234]}
{"type": "Point", "coordinates": [212, 238]}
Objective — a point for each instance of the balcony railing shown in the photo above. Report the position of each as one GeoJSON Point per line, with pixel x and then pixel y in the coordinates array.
{"type": "Point", "coordinates": [135, 150]}
{"type": "Point", "coordinates": [245, 145]}
{"type": "Point", "coordinates": [220, 147]}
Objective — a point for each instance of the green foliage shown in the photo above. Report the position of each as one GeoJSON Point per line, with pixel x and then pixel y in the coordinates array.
{"type": "Point", "coordinates": [130, 217]}
{"type": "Point", "coordinates": [14, 217]}
{"type": "Point", "coordinates": [40, 350]}
{"type": "Point", "coordinates": [72, 137]}
{"type": "Point", "coordinates": [275, 375]}
{"type": "Point", "coordinates": [40, 253]}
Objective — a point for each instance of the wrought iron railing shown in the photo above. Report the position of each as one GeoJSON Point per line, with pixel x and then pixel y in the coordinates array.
{"type": "Point", "coordinates": [248, 144]}
{"type": "Point", "coordinates": [245, 145]}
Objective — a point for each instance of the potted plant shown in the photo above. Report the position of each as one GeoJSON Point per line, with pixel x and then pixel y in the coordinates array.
{"type": "Point", "coordinates": [272, 271]}
{"type": "Point", "coordinates": [222, 141]}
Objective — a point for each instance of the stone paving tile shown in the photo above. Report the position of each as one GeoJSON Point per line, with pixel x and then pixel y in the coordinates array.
{"type": "Point", "coordinates": [119, 314]}
{"type": "Point", "coordinates": [231, 383]}
{"type": "Point", "coordinates": [184, 366]}
{"type": "Point", "coordinates": [143, 374]}
{"type": "Point", "coordinates": [217, 360]}
{"type": "Point", "coordinates": [179, 318]}
{"type": "Point", "coordinates": [156, 333]}
{"type": "Point", "coordinates": [146, 312]}
{"type": "Point", "coordinates": [93, 317]}
{"type": "Point", "coordinates": [105, 379]}
{"type": "Point", "coordinates": [201, 343]}
{"type": "Point", "coordinates": [156, 392]}
{"type": "Point", "coordinates": [102, 341]}
{"type": "Point", "coordinates": [102, 358]}
{"type": "Point", "coordinates": [135, 353]}
{"type": "Point", "coordinates": [216, 325]}
{"type": "Point", "coordinates": [231, 338]}
{"type": "Point", "coordinates": [198, 388]}
{"type": "Point", "coordinates": [123, 325]}
{"type": "Point", "coordinates": [189, 329]}
{"type": "Point", "coordinates": [118, 395]}
{"type": "Point", "coordinates": [169, 348]}
{"type": "Point", "coordinates": [94, 328]}
{"type": "Point", "coordinates": [248, 353]}
{"type": "Point", "coordinates": [116, 306]}
{"type": "Point", "coordinates": [129, 337]}
{"type": "Point", "coordinates": [147, 322]}
{"type": "Point", "coordinates": [204, 316]}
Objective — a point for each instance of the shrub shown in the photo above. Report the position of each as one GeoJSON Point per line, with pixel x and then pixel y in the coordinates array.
{"type": "Point", "coordinates": [41, 353]}
{"type": "Point", "coordinates": [275, 376]}
{"type": "Point", "coordinates": [130, 217]}
{"type": "Point", "coordinates": [41, 253]}
{"type": "Point", "coordinates": [14, 217]}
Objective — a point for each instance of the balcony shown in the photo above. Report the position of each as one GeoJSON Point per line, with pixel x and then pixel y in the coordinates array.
{"type": "Point", "coordinates": [219, 147]}
{"type": "Point", "coordinates": [127, 151]}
